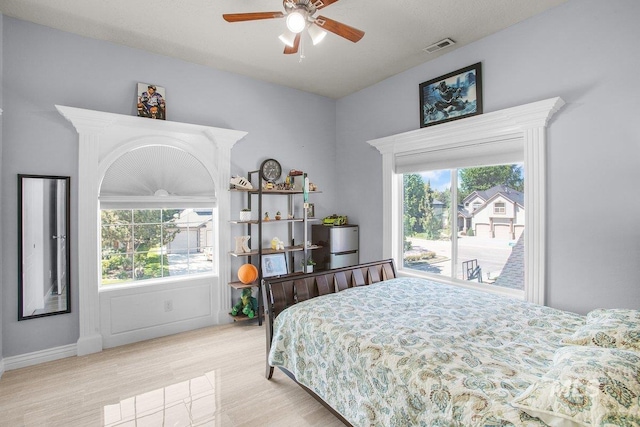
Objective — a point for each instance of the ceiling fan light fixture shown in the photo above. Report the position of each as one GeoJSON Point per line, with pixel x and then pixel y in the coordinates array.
{"type": "Point", "coordinates": [287, 38]}
{"type": "Point", "coordinates": [296, 22]}
{"type": "Point", "coordinates": [316, 33]}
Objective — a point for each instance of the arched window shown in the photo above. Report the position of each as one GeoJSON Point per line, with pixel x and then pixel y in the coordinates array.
{"type": "Point", "coordinates": [131, 313]}
{"type": "Point", "coordinates": [157, 205]}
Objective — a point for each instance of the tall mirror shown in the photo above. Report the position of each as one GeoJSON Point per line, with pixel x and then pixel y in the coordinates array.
{"type": "Point", "coordinates": [43, 246]}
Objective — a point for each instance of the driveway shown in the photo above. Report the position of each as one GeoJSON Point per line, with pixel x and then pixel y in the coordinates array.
{"type": "Point", "coordinates": [180, 264]}
{"type": "Point", "coordinates": [492, 254]}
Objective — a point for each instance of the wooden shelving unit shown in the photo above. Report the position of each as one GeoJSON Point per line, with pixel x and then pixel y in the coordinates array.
{"type": "Point", "coordinates": [265, 251]}
{"type": "Point", "coordinates": [244, 318]}
{"type": "Point", "coordinates": [240, 285]}
{"type": "Point", "coordinates": [254, 228]}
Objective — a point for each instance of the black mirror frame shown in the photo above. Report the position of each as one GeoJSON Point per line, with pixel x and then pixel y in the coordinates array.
{"type": "Point", "coordinates": [67, 180]}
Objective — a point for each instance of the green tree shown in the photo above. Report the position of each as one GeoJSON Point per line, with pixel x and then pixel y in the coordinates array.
{"type": "Point", "coordinates": [432, 222]}
{"type": "Point", "coordinates": [133, 232]}
{"type": "Point", "coordinates": [485, 177]}
{"type": "Point", "coordinates": [414, 204]}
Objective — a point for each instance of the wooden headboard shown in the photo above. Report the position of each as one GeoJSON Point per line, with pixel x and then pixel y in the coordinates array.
{"type": "Point", "coordinates": [282, 292]}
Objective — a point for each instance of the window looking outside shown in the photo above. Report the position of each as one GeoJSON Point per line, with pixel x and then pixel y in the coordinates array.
{"type": "Point", "coordinates": [142, 244]}
{"type": "Point", "coordinates": [483, 241]}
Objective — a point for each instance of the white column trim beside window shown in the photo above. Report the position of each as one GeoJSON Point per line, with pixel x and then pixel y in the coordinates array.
{"type": "Point", "coordinates": [486, 132]}
{"type": "Point", "coordinates": [101, 133]}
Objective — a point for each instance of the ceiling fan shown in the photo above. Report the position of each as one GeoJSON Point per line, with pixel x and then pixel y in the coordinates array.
{"type": "Point", "coordinates": [299, 15]}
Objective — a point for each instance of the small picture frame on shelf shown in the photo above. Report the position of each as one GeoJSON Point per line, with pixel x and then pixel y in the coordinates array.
{"type": "Point", "coordinates": [274, 265]}
{"type": "Point", "coordinates": [151, 101]}
{"type": "Point", "coordinates": [311, 210]}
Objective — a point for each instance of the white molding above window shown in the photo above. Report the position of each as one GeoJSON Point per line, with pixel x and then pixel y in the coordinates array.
{"type": "Point", "coordinates": [525, 125]}
{"type": "Point", "coordinates": [103, 138]}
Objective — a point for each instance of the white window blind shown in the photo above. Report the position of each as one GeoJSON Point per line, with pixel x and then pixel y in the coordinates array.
{"type": "Point", "coordinates": [157, 176]}
{"type": "Point", "coordinates": [460, 155]}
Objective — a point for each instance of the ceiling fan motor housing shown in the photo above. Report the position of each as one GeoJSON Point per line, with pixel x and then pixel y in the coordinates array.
{"type": "Point", "coordinates": [306, 7]}
{"type": "Point", "coordinates": [299, 14]}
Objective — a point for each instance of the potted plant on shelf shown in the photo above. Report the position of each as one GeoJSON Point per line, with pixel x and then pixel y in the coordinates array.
{"type": "Point", "coordinates": [278, 215]}
{"type": "Point", "coordinates": [245, 214]}
{"type": "Point", "coordinates": [307, 265]}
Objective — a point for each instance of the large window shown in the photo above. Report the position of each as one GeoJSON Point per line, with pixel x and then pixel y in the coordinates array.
{"type": "Point", "coordinates": [511, 135]}
{"type": "Point", "coordinates": [466, 224]}
{"type": "Point", "coordinates": [142, 244]}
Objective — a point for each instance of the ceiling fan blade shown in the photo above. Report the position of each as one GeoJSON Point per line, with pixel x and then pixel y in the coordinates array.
{"type": "Point", "coordinates": [319, 4]}
{"type": "Point", "coordinates": [339, 28]}
{"type": "Point", "coordinates": [296, 43]}
{"type": "Point", "coordinates": [252, 16]}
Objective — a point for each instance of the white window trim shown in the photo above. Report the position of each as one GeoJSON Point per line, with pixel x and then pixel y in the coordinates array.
{"type": "Point", "coordinates": [102, 137]}
{"type": "Point", "coordinates": [526, 123]}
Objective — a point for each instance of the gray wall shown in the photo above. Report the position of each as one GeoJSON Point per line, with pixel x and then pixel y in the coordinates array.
{"type": "Point", "coordinates": [44, 67]}
{"type": "Point", "coordinates": [584, 51]}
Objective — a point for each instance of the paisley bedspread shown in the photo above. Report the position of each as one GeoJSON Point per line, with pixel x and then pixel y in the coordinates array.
{"type": "Point", "coordinates": [412, 352]}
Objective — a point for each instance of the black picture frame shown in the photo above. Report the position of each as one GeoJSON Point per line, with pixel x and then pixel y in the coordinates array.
{"type": "Point", "coordinates": [453, 96]}
{"type": "Point", "coordinates": [44, 224]}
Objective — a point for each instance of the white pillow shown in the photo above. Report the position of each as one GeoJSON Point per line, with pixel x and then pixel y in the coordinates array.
{"type": "Point", "coordinates": [586, 386]}
{"type": "Point", "coordinates": [611, 328]}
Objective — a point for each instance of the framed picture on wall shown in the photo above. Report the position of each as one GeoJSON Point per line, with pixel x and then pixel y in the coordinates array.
{"type": "Point", "coordinates": [452, 96]}
{"type": "Point", "coordinates": [151, 101]}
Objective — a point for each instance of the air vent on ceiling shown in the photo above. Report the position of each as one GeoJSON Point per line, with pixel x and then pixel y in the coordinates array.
{"type": "Point", "coordinates": [439, 45]}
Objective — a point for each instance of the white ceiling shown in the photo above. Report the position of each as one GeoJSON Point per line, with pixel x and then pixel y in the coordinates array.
{"type": "Point", "coordinates": [396, 32]}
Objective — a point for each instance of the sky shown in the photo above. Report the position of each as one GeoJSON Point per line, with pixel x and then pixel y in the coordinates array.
{"type": "Point", "coordinates": [441, 179]}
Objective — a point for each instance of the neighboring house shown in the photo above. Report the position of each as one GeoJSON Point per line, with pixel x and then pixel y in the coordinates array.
{"type": "Point", "coordinates": [439, 211]}
{"type": "Point", "coordinates": [464, 220]}
{"type": "Point", "coordinates": [195, 231]}
{"type": "Point", "coordinates": [438, 207]}
{"type": "Point", "coordinates": [496, 213]}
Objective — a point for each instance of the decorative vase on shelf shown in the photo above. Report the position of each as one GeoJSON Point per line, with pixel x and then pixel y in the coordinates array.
{"type": "Point", "coordinates": [307, 266]}
{"type": "Point", "coordinates": [245, 215]}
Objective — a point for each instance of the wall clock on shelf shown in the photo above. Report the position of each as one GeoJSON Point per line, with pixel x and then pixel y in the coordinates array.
{"type": "Point", "coordinates": [270, 170]}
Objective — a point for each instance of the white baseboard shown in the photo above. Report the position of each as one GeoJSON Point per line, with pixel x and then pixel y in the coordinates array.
{"type": "Point", "coordinates": [138, 335]}
{"type": "Point", "coordinates": [30, 359]}
{"type": "Point", "coordinates": [1, 367]}
{"type": "Point", "coordinates": [89, 344]}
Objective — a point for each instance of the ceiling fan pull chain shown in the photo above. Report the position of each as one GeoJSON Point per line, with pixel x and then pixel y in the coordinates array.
{"type": "Point", "coordinates": [301, 49]}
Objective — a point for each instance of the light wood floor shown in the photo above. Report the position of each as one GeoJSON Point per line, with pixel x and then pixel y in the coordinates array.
{"type": "Point", "coordinates": [211, 377]}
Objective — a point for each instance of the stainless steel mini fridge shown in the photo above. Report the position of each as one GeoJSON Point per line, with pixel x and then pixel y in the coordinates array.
{"type": "Point", "coordinates": [339, 246]}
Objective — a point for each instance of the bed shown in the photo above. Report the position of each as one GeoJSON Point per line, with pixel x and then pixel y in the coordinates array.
{"type": "Point", "coordinates": [381, 350]}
